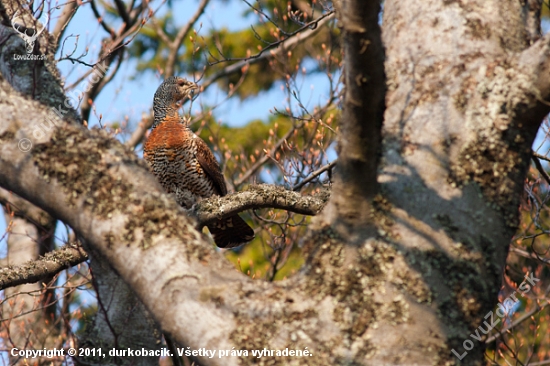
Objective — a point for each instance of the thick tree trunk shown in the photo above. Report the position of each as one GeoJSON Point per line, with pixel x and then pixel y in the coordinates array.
{"type": "Point", "coordinates": [359, 142]}
{"type": "Point", "coordinates": [30, 320]}
{"type": "Point", "coordinates": [456, 145]}
{"type": "Point", "coordinates": [404, 264]}
{"type": "Point", "coordinates": [118, 309]}
{"type": "Point", "coordinates": [123, 321]}
{"type": "Point", "coordinates": [463, 110]}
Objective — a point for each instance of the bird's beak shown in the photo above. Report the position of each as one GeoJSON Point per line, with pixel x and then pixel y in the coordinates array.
{"type": "Point", "coordinates": [194, 92]}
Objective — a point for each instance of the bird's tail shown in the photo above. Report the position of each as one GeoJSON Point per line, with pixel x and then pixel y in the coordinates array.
{"type": "Point", "coordinates": [231, 232]}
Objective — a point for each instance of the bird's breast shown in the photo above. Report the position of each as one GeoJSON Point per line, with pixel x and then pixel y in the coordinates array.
{"type": "Point", "coordinates": [171, 151]}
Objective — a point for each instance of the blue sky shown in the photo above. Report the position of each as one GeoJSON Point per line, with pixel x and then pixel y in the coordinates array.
{"type": "Point", "coordinates": [125, 96]}
{"type": "Point", "coordinates": [128, 96]}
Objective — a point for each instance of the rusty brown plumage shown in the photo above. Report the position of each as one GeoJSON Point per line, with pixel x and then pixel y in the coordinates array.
{"type": "Point", "coordinates": [184, 164]}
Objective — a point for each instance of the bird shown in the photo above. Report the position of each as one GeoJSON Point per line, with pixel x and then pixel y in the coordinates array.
{"type": "Point", "coordinates": [184, 164]}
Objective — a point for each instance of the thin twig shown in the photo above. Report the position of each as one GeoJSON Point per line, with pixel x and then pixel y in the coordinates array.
{"type": "Point", "coordinates": [178, 40]}
{"type": "Point", "coordinates": [518, 321]}
{"type": "Point", "coordinates": [68, 12]}
{"type": "Point", "coordinates": [542, 157]}
{"type": "Point", "coordinates": [540, 168]}
{"type": "Point", "coordinates": [265, 158]}
{"type": "Point", "coordinates": [315, 174]}
{"type": "Point", "coordinates": [526, 254]}
{"type": "Point", "coordinates": [300, 35]}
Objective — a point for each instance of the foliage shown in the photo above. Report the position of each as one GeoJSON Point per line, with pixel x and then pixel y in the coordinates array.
{"type": "Point", "coordinates": [207, 53]}
{"type": "Point", "coordinates": [287, 147]}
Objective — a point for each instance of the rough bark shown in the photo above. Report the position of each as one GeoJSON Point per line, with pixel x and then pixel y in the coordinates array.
{"type": "Point", "coordinates": [32, 323]}
{"type": "Point", "coordinates": [439, 211]}
{"type": "Point", "coordinates": [457, 135]}
{"type": "Point", "coordinates": [107, 196]}
{"type": "Point", "coordinates": [36, 270]}
{"type": "Point", "coordinates": [531, 13]}
{"type": "Point", "coordinates": [359, 143]}
{"type": "Point", "coordinates": [258, 196]}
{"type": "Point", "coordinates": [117, 309]}
{"type": "Point", "coordinates": [214, 208]}
{"type": "Point", "coordinates": [28, 316]}
{"type": "Point", "coordinates": [39, 81]}
{"type": "Point", "coordinates": [456, 144]}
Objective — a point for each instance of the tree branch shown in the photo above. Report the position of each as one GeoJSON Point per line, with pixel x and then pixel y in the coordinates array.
{"type": "Point", "coordinates": [46, 266]}
{"type": "Point", "coordinates": [315, 174]}
{"type": "Point", "coordinates": [258, 196]}
{"type": "Point", "coordinates": [112, 48]}
{"type": "Point", "coordinates": [107, 195]}
{"type": "Point", "coordinates": [121, 8]}
{"type": "Point", "coordinates": [532, 10]}
{"type": "Point", "coordinates": [540, 168]}
{"type": "Point", "coordinates": [536, 62]}
{"type": "Point", "coordinates": [539, 156]}
{"type": "Point", "coordinates": [518, 321]}
{"type": "Point", "coordinates": [68, 12]}
{"type": "Point", "coordinates": [23, 208]}
{"type": "Point", "coordinates": [178, 40]}
{"type": "Point", "coordinates": [527, 254]}
{"type": "Point", "coordinates": [100, 18]}
{"type": "Point", "coordinates": [260, 162]}
{"type": "Point", "coordinates": [141, 129]}
{"type": "Point", "coordinates": [301, 35]}
{"type": "Point", "coordinates": [34, 78]}
{"type": "Point", "coordinates": [355, 180]}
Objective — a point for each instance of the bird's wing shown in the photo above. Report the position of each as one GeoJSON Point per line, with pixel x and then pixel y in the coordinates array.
{"type": "Point", "coordinates": [210, 166]}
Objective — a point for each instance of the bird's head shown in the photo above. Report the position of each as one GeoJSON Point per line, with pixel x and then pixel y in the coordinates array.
{"type": "Point", "coordinates": [170, 95]}
{"type": "Point", "coordinates": [175, 90]}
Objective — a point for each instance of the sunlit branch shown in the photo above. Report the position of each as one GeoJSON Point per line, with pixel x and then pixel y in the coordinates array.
{"type": "Point", "coordinates": [314, 175]}
{"type": "Point", "coordinates": [294, 38]}
{"type": "Point", "coordinates": [140, 131]}
{"type": "Point", "coordinates": [174, 45]}
{"type": "Point", "coordinates": [258, 164]}
{"type": "Point", "coordinates": [259, 196]}
{"type": "Point", "coordinates": [68, 12]}
{"type": "Point", "coordinates": [44, 267]}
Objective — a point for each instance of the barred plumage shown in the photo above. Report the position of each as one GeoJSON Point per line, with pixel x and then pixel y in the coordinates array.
{"type": "Point", "coordinates": [184, 164]}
